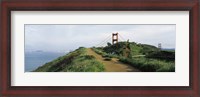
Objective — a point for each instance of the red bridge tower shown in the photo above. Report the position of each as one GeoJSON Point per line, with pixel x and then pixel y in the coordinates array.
{"type": "Point", "coordinates": [114, 38]}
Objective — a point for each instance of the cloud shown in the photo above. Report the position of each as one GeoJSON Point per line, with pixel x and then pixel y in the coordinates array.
{"type": "Point", "coordinates": [69, 37]}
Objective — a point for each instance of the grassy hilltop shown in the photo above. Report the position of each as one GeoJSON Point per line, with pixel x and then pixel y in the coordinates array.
{"type": "Point", "coordinates": [146, 58]}
{"type": "Point", "coordinates": [76, 61]}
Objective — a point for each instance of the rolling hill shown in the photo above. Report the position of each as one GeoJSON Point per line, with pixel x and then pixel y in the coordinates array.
{"type": "Point", "coordinates": [119, 57]}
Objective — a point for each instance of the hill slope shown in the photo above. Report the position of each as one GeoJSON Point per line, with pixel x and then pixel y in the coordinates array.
{"type": "Point", "coordinates": [76, 61]}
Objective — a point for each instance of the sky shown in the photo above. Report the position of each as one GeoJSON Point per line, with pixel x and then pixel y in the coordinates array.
{"type": "Point", "coordinates": [65, 38]}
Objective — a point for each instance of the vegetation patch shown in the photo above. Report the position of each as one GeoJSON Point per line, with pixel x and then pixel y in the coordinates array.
{"type": "Point", "coordinates": [86, 63]}
{"type": "Point", "coordinates": [164, 55]}
{"type": "Point", "coordinates": [150, 65]}
{"type": "Point", "coordinates": [104, 54]}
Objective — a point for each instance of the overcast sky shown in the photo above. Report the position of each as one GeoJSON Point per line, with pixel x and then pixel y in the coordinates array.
{"type": "Point", "coordinates": [63, 38]}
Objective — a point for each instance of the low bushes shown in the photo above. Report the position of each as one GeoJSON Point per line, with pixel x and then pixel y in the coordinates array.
{"type": "Point", "coordinates": [164, 55]}
{"type": "Point", "coordinates": [150, 65]}
{"type": "Point", "coordinates": [104, 54]}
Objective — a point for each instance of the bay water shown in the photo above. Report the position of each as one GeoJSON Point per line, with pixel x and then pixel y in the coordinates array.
{"type": "Point", "coordinates": [38, 58]}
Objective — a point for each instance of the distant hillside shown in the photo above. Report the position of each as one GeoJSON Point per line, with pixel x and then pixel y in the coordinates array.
{"type": "Point", "coordinates": [76, 61]}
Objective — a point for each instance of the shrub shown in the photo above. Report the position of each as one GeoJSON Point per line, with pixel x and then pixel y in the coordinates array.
{"type": "Point", "coordinates": [107, 58]}
{"type": "Point", "coordinates": [167, 68]}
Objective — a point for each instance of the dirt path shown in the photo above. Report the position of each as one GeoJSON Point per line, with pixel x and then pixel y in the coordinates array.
{"type": "Point", "coordinates": [113, 65]}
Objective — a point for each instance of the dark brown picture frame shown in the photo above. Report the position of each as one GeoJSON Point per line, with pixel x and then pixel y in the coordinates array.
{"type": "Point", "coordinates": [193, 90]}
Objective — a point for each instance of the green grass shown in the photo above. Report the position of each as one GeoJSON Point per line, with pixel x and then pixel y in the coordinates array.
{"type": "Point", "coordinates": [76, 61]}
{"type": "Point", "coordinates": [85, 63]}
{"type": "Point", "coordinates": [99, 51]}
{"type": "Point", "coordinates": [150, 65]}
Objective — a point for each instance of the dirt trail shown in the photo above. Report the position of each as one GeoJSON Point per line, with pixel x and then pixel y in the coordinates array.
{"type": "Point", "coordinates": [113, 65]}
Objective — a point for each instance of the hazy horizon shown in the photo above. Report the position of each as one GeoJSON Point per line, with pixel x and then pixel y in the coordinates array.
{"type": "Point", "coordinates": [65, 38]}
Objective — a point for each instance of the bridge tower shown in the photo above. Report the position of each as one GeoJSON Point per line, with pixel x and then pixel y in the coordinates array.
{"type": "Point", "coordinates": [159, 46]}
{"type": "Point", "coordinates": [114, 38]}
